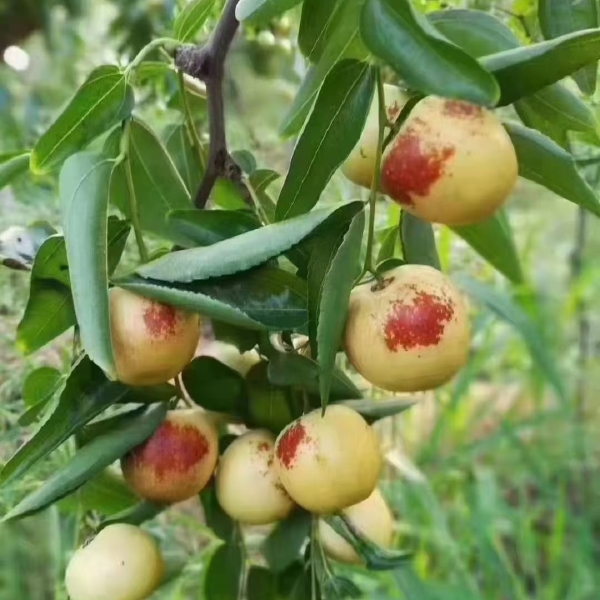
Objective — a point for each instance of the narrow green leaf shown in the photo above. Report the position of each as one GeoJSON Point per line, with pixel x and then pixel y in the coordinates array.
{"type": "Point", "coordinates": [157, 185]}
{"type": "Point", "coordinates": [223, 579]}
{"type": "Point", "coordinates": [215, 386]}
{"type": "Point", "coordinates": [89, 461]}
{"type": "Point", "coordinates": [185, 158]}
{"type": "Point", "coordinates": [524, 71]}
{"type": "Point", "coordinates": [395, 32]}
{"type": "Point", "coordinates": [101, 102]}
{"type": "Point", "coordinates": [206, 227]}
{"type": "Point", "coordinates": [39, 385]}
{"type": "Point", "coordinates": [190, 20]}
{"type": "Point", "coordinates": [84, 185]}
{"type": "Point", "coordinates": [508, 310]}
{"type": "Point", "coordinates": [261, 584]}
{"type": "Point", "coordinates": [237, 254]}
{"type": "Point", "coordinates": [331, 133]}
{"type": "Point", "coordinates": [494, 241]}
{"type": "Point", "coordinates": [334, 299]}
{"type": "Point", "coordinates": [375, 558]}
{"type": "Point", "coordinates": [13, 167]}
{"type": "Point", "coordinates": [374, 410]}
{"type": "Point", "coordinates": [343, 43]}
{"type": "Point", "coordinates": [319, 20]}
{"type": "Point", "coordinates": [391, 236]}
{"type": "Point", "coordinates": [215, 517]}
{"type": "Point", "coordinates": [264, 298]}
{"type": "Point", "coordinates": [558, 17]}
{"type": "Point", "coordinates": [263, 10]}
{"type": "Point", "coordinates": [283, 546]}
{"type": "Point", "coordinates": [546, 163]}
{"type": "Point", "coordinates": [135, 515]}
{"type": "Point", "coordinates": [418, 241]}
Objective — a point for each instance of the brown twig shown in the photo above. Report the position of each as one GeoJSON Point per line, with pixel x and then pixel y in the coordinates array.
{"type": "Point", "coordinates": [207, 63]}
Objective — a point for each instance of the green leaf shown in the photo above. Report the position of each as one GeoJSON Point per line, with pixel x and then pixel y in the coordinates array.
{"type": "Point", "coordinates": [135, 515]}
{"type": "Point", "coordinates": [524, 71]}
{"type": "Point", "coordinates": [546, 163]}
{"type": "Point", "coordinates": [261, 584]}
{"type": "Point", "coordinates": [334, 298]}
{"type": "Point", "coordinates": [388, 244]}
{"type": "Point", "coordinates": [339, 587]}
{"type": "Point", "coordinates": [190, 20]}
{"type": "Point", "coordinates": [89, 461]}
{"type": "Point", "coordinates": [508, 310]}
{"type": "Point", "coordinates": [480, 34]}
{"type": "Point", "coordinates": [396, 33]}
{"type": "Point", "coordinates": [39, 385]}
{"type": "Point", "coordinates": [494, 241]}
{"type": "Point", "coordinates": [374, 557]}
{"type": "Point", "coordinates": [418, 241]}
{"type": "Point", "coordinates": [84, 184]}
{"type": "Point", "coordinates": [331, 133]}
{"type": "Point", "coordinates": [157, 185]}
{"type": "Point", "coordinates": [374, 410]}
{"type": "Point", "coordinates": [343, 43]}
{"type": "Point", "coordinates": [223, 579]}
{"type": "Point", "coordinates": [240, 253]}
{"type": "Point", "coordinates": [264, 298]}
{"type": "Point", "coordinates": [184, 156]}
{"type": "Point", "coordinates": [206, 227]}
{"type": "Point", "coordinates": [215, 517]}
{"type": "Point", "coordinates": [283, 546]}
{"type": "Point", "coordinates": [263, 10]}
{"type": "Point", "coordinates": [319, 20]}
{"type": "Point", "coordinates": [12, 167]}
{"type": "Point", "coordinates": [558, 17]}
{"type": "Point", "coordinates": [215, 386]}
{"type": "Point", "coordinates": [101, 102]}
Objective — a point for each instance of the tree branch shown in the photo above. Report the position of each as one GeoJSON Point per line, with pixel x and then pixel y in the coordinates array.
{"type": "Point", "coordinates": [207, 63]}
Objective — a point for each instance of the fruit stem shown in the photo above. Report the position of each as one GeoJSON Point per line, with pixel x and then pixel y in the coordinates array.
{"type": "Point", "coordinates": [147, 49]}
{"type": "Point", "coordinates": [369, 266]}
{"type": "Point", "coordinates": [313, 560]}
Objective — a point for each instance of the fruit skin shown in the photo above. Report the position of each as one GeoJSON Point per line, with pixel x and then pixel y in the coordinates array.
{"type": "Point", "coordinates": [360, 164]}
{"type": "Point", "coordinates": [451, 162]}
{"type": "Point", "coordinates": [329, 462]}
{"type": "Point", "coordinates": [229, 355]}
{"type": "Point", "coordinates": [177, 461]}
{"type": "Point", "coordinates": [122, 562]}
{"type": "Point", "coordinates": [372, 517]}
{"type": "Point", "coordinates": [248, 486]}
{"type": "Point", "coordinates": [410, 334]}
{"type": "Point", "coordinates": [152, 342]}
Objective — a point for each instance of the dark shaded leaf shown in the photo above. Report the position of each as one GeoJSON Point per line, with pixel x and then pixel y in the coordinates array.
{"type": "Point", "coordinates": [223, 579]}
{"type": "Point", "coordinates": [391, 236]}
{"type": "Point", "coordinates": [283, 546]}
{"type": "Point", "coordinates": [186, 159]}
{"type": "Point", "coordinates": [319, 20]}
{"type": "Point", "coordinates": [215, 517]}
{"type": "Point", "coordinates": [374, 410]}
{"type": "Point", "coordinates": [418, 241]}
{"type": "Point", "coordinates": [136, 515]}
{"type": "Point", "coordinates": [261, 584]}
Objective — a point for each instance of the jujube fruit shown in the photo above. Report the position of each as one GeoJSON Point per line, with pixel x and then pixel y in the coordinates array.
{"type": "Point", "coordinates": [122, 562]}
{"type": "Point", "coordinates": [371, 517]}
{"type": "Point", "coordinates": [328, 462]}
{"type": "Point", "coordinates": [177, 461]}
{"type": "Point", "coordinates": [451, 162]}
{"type": "Point", "coordinates": [152, 342]}
{"type": "Point", "coordinates": [248, 486]}
{"type": "Point", "coordinates": [409, 332]}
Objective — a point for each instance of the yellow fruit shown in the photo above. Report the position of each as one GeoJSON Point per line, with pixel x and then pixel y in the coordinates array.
{"type": "Point", "coordinates": [329, 462]}
{"type": "Point", "coordinates": [152, 342]}
{"type": "Point", "coordinates": [122, 562]}
{"type": "Point", "coordinates": [360, 164]}
{"type": "Point", "coordinates": [177, 461]}
{"type": "Point", "coordinates": [248, 487]}
{"type": "Point", "coordinates": [410, 333]}
{"type": "Point", "coordinates": [451, 162]}
{"type": "Point", "coordinates": [229, 355]}
{"type": "Point", "coordinates": [372, 517]}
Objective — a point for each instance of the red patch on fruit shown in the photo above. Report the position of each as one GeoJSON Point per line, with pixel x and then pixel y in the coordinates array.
{"type": "Point", "coordinates": [412, 169]}
{"type": "Point", "coordinates": [160, 319]}
{"type": "Point", "coordinates": [420, 321]}
{"type": "Point", "coordinates": [288, 445]}
{"type": "Point", "coordinates": [458, 108]}
{"type": "Point", "coordinates": [172, 449]}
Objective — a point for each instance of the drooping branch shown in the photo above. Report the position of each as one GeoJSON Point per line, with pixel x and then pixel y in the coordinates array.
{"type": "Point", "coordinates": [207, 63]}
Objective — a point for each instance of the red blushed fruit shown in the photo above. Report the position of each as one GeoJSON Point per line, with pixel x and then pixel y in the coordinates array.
{"type": "Point", "coordinates": [452, 162]}
{"type": "Point", "coordinates": [177, 461]}
{"type": "Point", "coordinates": [409, 334]}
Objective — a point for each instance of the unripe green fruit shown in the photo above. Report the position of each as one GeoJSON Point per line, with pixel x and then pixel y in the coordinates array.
{"type": "Point", "coordinates": [372, 517]}
{"type": "Point", "coordinates": [152, 342]}
{"type": "Point", "coordinates": [328, 462]}
{"type": "Point", "coordinates": [451, 162]}
{"type": "Point", "coordinates": [248, 487]}
{"type": "Point", "coordinates": [177, 461]}
{"type": "Point", "coordinates": [409, 333]}
{"type": "Point", "coordinates": [122, 562]}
